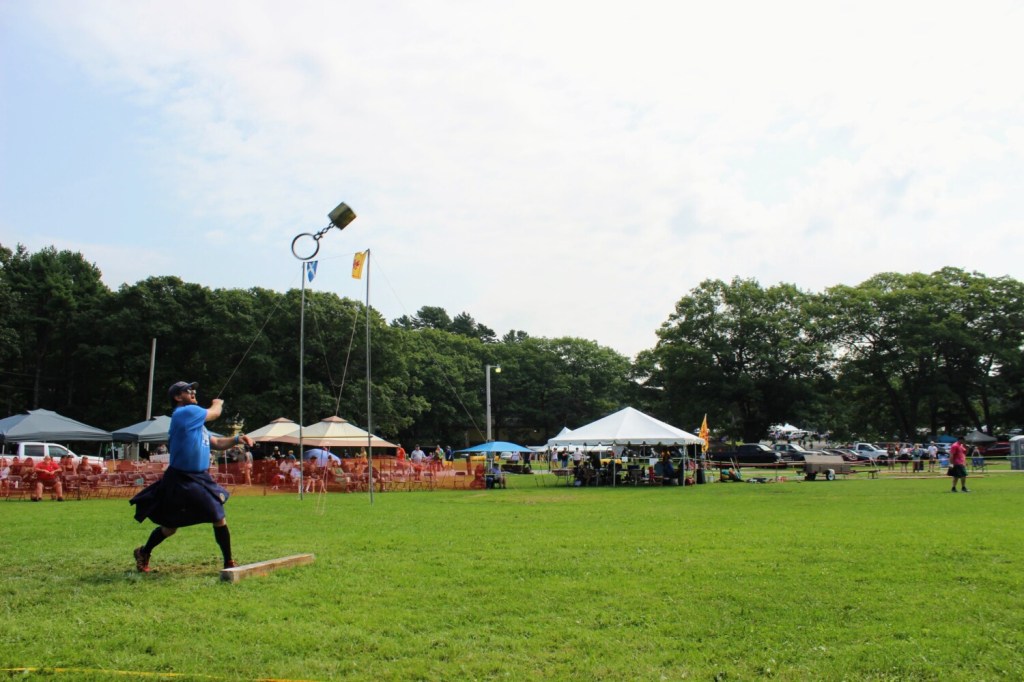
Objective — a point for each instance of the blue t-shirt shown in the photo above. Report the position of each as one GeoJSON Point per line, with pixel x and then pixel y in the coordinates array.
{"type": "Point", "coordinates": [188, 439]}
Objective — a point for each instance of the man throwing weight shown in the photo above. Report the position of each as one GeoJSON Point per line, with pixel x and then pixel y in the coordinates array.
{"type": "Point", "coordinates": [187, 495]}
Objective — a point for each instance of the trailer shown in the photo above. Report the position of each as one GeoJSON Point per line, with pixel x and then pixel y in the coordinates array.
{"type": "Point", "coordinates": [828, 466]}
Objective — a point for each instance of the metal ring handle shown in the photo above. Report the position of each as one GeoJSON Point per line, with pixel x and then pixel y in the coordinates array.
{"type": "Point", "coordinates": [316, 245]}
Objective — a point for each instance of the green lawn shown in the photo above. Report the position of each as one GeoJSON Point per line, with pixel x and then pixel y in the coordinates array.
{"type": "Point", "coordinates": [889, 579]}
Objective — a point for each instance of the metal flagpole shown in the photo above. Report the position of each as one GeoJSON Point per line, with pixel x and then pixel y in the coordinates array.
{"type": "Point", "coordinates": [341, 216]}
{"type": "Point", "coordinates": [369, 401]}
{"type": "Point", "coordinates": [302, 354]}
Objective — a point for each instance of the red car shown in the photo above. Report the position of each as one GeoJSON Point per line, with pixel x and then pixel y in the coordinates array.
{"type": "Point", "coordinates": [1001, 449]}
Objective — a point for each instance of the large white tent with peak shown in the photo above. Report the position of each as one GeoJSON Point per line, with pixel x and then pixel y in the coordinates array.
{"type": "Point", "coordinates": [335, 432]}
{"type": "Point", "coordinates": [628, 426]}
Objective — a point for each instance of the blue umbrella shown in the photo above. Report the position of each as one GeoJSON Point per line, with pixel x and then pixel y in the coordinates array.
{"type": "Point", "coordinates": [322, 456]}
{"type": "Point", "coordinates": [497, 446]}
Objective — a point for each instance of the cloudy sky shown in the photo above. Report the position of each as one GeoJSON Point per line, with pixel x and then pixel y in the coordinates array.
{"type": "Point", "coordinates": [563, 168]}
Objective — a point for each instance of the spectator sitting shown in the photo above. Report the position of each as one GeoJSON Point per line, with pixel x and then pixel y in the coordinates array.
{"type": "Point", "coordinates": [338, 474]}
{"type": "Point", "coordinates": [290, 466]}
{"type": "Point", "coordinates": [730, 474]}
{"type": "Point", "coordinates": [275, 477]}
{"type": "Point", "coordinates": [27, 470]}
{"type": "Point", "coordinates": [5, 473]}
{"type": "Point", "coordinates": [310, 474]}
{"type": "Point", "coordinates": [668, 472]}
{"type": "Point", "coordinates": [48, 476]}
{"type": "Point", "coordinates": [496, 477]}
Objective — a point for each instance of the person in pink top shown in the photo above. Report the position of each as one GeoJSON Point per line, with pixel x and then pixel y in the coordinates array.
{"type": "Point", "coordinates": [958, 465]}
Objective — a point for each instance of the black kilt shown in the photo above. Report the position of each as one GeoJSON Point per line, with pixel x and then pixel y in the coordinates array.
{"type": "Point", "coordinates": [958, 471]}
{"type": "Point", "coordinates": [181, 498]}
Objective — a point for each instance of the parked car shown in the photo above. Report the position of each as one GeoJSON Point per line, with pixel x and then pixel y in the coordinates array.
{"type": "Point", "coordinates": [1000, 449]}
{"type": "Point", "coordinates": [793, 452]}
{"type": "Point", "coordinates": [748, 454]}
{"type": "Point", "coordinates": [847, 455]}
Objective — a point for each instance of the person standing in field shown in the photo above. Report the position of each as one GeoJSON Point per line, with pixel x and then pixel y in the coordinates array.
{"type": "Point", "coordinates": [958, 465]}
{"type": "Point", "coordinates": [247, 465]}
{"type": "Point", "coordinates": [187, 495]}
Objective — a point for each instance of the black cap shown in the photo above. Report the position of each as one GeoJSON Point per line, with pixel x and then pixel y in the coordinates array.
{"type": "Point", "coordinates": [179, 386]}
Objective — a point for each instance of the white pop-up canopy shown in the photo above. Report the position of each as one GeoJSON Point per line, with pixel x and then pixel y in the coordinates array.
{"type": "Point", "coordinates": [564, 433]}
{"type": "Point", "coordinates": [335, 432]}
{"type": "Point", "coordinates": [628, 426]}
{"type": "Point", "coordinates": [274, 431]}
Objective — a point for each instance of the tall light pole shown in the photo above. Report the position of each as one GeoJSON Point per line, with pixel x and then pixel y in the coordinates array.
{"type": "Point", "coordinates": [487, 371]}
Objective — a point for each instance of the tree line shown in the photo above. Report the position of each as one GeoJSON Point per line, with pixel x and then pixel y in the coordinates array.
{"type": "Point", "coordinates": [888, 358]}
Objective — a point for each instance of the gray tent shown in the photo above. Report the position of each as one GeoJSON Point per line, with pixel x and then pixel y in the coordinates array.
{"type": "Point", "coordinates": [978, 438]}
{"type": "Point", "coordinates": [150, 431]}
{"type": "Point", "coordinates": [47, 426]}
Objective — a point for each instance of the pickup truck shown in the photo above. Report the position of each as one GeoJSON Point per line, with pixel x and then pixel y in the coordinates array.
{"type": "Point", "coordinates": [868, 451]}
{"type": "Point", "coordinates": [37, 450]}
{"type": "Point", "coordinates": [748, 454]}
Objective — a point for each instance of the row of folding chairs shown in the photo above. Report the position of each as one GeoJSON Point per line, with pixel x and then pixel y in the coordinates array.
{"type": "Point", "coordinates": [117, 484]}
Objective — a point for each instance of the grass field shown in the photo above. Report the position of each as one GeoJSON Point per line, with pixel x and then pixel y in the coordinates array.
{"type": "Point", "coordinates": [888, 579]}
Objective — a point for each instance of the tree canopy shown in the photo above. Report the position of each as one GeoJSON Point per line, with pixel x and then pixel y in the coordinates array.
{"type": "Point", "coordinates": [894, 355]}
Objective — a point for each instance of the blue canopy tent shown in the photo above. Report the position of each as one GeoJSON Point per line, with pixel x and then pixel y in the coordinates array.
{"type": "Point", "coordinates": [150, 431]}
{"type": "Point", "coordinates": [494, 449]}
{"type": "Point", "coordinates": [45, 425]}
{"type": "Point", "coordinates": [496, 446]}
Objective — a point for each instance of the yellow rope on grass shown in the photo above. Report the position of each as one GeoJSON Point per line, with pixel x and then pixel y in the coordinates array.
{"type": "Point", "coordinates": [137, 673]}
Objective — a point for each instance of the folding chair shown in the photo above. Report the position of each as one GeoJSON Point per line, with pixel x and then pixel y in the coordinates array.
{"type": "Point", "coordinates": [14, 488]}
{"type": "Point", "coordinates": [73, 486]}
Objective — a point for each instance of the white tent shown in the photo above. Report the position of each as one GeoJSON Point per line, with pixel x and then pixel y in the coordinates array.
{"type": "Point", "coordinates": [628, 426]}
{"type": "Point", "coordinates": [337, 432]}
{"type": "Point", "coordinates": [274, 431]}
{"type": "Point", "coordinates": [564, 433]}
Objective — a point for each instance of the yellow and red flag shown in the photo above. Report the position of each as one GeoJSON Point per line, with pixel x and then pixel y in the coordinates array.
{"type": "Point", "coordinates": [703, 435]}
{"type": "Point", "coordinates": [358, 261]}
